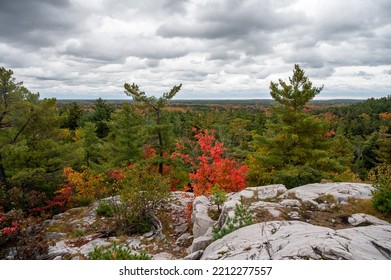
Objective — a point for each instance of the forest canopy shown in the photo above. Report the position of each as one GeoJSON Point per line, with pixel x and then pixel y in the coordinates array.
{"type": "Point", "coordinates": [56, 155]}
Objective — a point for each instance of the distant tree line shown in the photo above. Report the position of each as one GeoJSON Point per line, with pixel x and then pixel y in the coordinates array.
{"type": "Point", "coordinates": [54, 157]}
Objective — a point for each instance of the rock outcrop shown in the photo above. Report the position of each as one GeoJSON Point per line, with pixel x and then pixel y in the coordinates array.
{"type": "Point", "coordinates": [308, 222]}
{"type": "Point", "coordinates": [315, 221]}
{"type": "Point", "coordinates": [340, 191]}
{"type": "Point", "coordinates": [298, 240]}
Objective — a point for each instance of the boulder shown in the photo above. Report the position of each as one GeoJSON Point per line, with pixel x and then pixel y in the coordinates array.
{"type": "Point", "coordinates": [200, 243]}
{"type": "Point", "coordinates": [269, 191]}
{"type": "Point", "coordinates": [200, 218]}
{"type": "Point", "coordinates": [290, 203]}
{"type": "Point", "coordinates": [299, 240]}
{"type": "Point", "coordinates": [194, 256]}
{"type": "Point", "coordinates": [361, 219]}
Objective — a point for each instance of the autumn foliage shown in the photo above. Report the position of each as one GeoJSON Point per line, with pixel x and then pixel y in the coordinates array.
{"type": "Point", "coordinates": [210, 167]}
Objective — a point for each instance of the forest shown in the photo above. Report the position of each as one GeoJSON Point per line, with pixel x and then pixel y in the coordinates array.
{"type": "Point", "coordinates": [56, 155]}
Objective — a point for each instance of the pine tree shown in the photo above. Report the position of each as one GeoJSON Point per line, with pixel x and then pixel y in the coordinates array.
{"type": "Point", "coordinates": [159, 128]}
{"type": "Point", "coordinates": [126, 138]}
{"type": "Point", "coordinates": [101, 115]}
{"type": "Point", "coordinates": [296, 147]}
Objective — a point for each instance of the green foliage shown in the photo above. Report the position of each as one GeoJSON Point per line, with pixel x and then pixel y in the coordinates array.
{"type": "Point", "coordinates": [159, 128]}
{"type": "Point", "coordinates": [100, 116]}
{"type": "Point", "coordinates": [33, 148]}
{"type": "Point", "coordinates": [367, 124]}
{"type": "Point", "coordinates": [363, 118]}
{"type": "Point", "coordinates": [381, 176]}
{"type": "Point", "coordinates": [126, 138]}
{"type": "Point", "coordinates": [241, 219]}
{"type": "Point", "coordinates": [71, 116]}
{"type": "Point", "coordinates": [218, 196]}
{"type": "Point", "coordinates": [116, 252]}
{"type": "Point", "coordinates": [78, 233]}
{"type": "Point", "coordinates": [383, 151]}
{"type": "Point", "coordinates": [105, 209]}
{"type": "Point", "coordinates": [91, 145]}
{"type": "Point", "coordinates": [297, 147]}
{"type": "Point", "coordinates": [143, 190]}
{"type": "Point", "coordinates": [297, 93]}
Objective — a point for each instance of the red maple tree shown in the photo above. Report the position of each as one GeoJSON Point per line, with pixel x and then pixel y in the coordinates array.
{"type": "Point", "coordinates": [211, 167]}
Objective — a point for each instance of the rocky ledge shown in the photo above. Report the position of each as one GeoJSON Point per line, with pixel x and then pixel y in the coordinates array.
{"type": "Point", "coordinates": [315, 221]}
{"type": "Point", "coordinates": [281, 240]}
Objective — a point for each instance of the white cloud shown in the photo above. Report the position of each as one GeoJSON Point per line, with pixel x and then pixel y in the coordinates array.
{"type": "Point", "coordinates": [221, 49]}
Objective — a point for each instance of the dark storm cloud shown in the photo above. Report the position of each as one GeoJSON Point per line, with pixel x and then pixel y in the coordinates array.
{"type": "Point", "coordinates": [34, 22]}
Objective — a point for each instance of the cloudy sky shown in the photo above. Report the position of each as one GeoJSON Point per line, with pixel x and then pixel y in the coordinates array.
{"type": "Point", "coordinates": [215, 48]}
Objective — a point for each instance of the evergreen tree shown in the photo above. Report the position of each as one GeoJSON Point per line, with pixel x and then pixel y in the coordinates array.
{"type": "Point", "coordinates": [90, 143]}
{"type": "Point", "coordinates": [296, 147]}
{"type": "Point", "coordinates": [33, 148]}
{"type": "Point", "coordinates": [297, 94]}
{"type": "Point", "coordinates": [100, 116]}
{"type": "Point", "coordinates": [159, 128]}
{"type": "Point", "coordinates": [127, 136]}
{"type": "Point", "coordinates": [71, 116]}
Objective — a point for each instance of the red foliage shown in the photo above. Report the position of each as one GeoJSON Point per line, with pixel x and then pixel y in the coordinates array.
{"type": "Point", "coordinates": [149, 152]}
{"type": "Point", "coordinates": [211, 167]}
{"type": "Point", "coordinates": [116, 175]}
{"type": "Point", "coordinates": [330, 133]}
{"type": "Point", "coordinates": [57, 204]}
{"type": "Point", "coordinates": [9, 225]}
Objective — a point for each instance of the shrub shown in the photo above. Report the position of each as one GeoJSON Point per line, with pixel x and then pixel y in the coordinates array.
{"type": "Point", "coordinates": [78, 233]}
{"type": "Point", "coordinates": [209, 165]}
{"type": "Point", "coordinates": [105, 209]}
{"type": "Point", "coordinates": [142, 191]}
{"type": "Point", "coordinates": [116, 252]}
{"type": "Point", "coordinates": [32, 242]}
{"type": "Point", "coordinates": [218, 196]}
{"type": "Point", "coordinates": [381, 176]}
{"type": "Point", "coordinates": [241, 219]}
{"type": "Point", "coordinates": [24, 234]}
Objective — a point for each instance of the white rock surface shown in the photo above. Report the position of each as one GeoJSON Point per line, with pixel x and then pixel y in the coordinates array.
{"type": "Point", "coordinates": [260, 192]}
{"type": "Point", "coordinates": [340, 191]}
{"type": "Point", "coordinates": [163, 256]}
{"type": "Point", "coordinates": [67, 247]}
{"type": "Point", "coordinates": [269, 191]}
{"type": "Point", "coordinates": [299, 240]}
{"type": "Point", "coordinates": [200, 243]}
{"type": "Point", "coordinates": [360, 218]}
{"type": "Point", "coordinates": [194, 256]}
{"type": "Point", "coordinates": [290, 203]}
{"type": "Point", "coordinates": [200, 218]}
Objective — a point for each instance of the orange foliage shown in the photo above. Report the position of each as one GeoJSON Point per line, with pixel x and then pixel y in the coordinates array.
{"type": "Point", "coordinates": [211, 167]}
{"type": "Point", "coordinates": [330, 133]}
{"type": "Point", "coordinates": [87, 186]}
{"type": "Point", "coordinates": [385, 116]}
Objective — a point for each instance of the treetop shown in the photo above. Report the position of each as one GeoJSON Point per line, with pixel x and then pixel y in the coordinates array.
{"type": "Point", "coordinates": [295, 94]}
